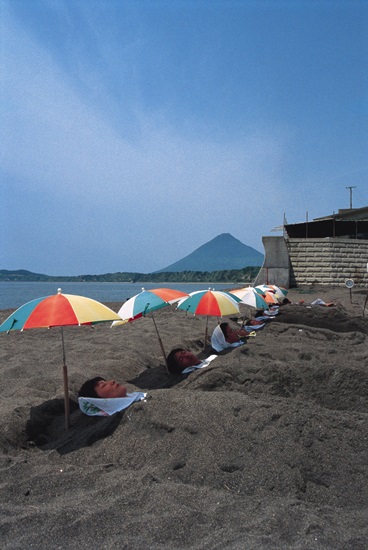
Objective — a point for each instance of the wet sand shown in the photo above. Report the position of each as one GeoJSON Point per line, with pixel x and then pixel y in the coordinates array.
{"type": "Point", "coordinates": [267, 448]}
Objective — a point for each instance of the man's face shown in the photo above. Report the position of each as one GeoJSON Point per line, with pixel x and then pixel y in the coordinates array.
{"type": "Point", "coordinates": [109, 388]}
{"type": "Point", "coordinates": [186, 359]}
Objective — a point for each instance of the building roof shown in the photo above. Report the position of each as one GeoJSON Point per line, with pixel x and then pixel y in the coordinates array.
{"type": "Point", "coordinates": [348, 223]}
{"type": "Point", "coordinates": [348, 214]}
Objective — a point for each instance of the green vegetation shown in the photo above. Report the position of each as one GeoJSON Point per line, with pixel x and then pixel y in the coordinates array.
{"type": "Point", "coordinates": [246, 275]}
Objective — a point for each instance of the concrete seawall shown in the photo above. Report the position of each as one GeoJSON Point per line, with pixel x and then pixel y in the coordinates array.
{"type": "Point", "coordinates": [330, 261]}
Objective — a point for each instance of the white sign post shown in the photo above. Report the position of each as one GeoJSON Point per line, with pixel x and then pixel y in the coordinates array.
{"type": "Point", "coordinates": [349, 283]}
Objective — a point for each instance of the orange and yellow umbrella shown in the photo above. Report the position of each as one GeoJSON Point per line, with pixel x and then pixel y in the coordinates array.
{"type": "Point", "coordinates": [59, 310]}
{"type": "Point", "coordinates": [209, 302]}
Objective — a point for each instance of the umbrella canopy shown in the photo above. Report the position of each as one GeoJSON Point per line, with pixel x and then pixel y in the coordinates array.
{"type": "Point", "coordinates": [146, 302]}
{"type": "Point", "coordinates": [214, 303]}
{"type": "Point", "coordinates": [249, 296]}
{"type": "Point", "coordinates": [267, 293]}
{"type": "Point", "coordinates": [264, 289]}
{"type": "Point", "coordinates": [59, 310]}
{"type": "Point", "coordinates": [279, 291]}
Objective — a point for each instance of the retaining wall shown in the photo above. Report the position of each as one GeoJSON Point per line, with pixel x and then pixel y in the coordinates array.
{"type": "Point", "coordinates": [328, 261]}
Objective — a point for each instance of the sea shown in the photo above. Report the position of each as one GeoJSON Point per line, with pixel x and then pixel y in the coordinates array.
{"type": "Point", "coordinates": [15, 294]}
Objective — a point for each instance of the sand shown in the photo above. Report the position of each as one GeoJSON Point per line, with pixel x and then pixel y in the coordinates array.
{"type": "Point", "coordinates": [267, 448]}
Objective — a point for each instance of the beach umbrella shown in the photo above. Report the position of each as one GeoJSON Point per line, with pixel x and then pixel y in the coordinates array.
{"type": "Point", "coordinates": [249, 296]}
{"type": "Point", "coordinates": [267, 293]}
{"type": "Point", "coordinates": [265, 288]}
{"type": "Point", "coordinates": [148, 301]}
{"type": "Point", "coordinates": [212, 303]}
{"type": "Point", "coordinates": [279, 291]}
{"type": "Point", "coordinates": [59, 310]}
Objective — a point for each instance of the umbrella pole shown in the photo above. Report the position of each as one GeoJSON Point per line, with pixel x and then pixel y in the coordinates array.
{"type": "Point", "coordinates": [161, 344]}
{"type": "Point", "coordinates": [206, 334]}
{"type": "Point", "coordinates": [66, 385]}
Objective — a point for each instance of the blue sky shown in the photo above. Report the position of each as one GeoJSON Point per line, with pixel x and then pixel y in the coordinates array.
{"type": "Point", "coordinates": [133, 132]}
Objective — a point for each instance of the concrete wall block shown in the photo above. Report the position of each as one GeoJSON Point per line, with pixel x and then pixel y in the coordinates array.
{"type": "Point", "coordinates": [308, 281]}
{"type": "Point", "coordinates": [329, 261]}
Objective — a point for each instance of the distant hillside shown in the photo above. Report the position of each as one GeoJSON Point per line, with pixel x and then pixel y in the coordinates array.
{"type": "Point", "coordinates": [246, 275]}
{"type": "Point", "coordinates": [22, 275]}
{"type": "Point", "coordinates": [224, 259]}
{"type": "Point", "coordinates": [221, 253]}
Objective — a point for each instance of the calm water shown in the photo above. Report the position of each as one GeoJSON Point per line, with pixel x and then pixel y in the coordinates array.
{"type": "Point", "coordinates": [15, 294]}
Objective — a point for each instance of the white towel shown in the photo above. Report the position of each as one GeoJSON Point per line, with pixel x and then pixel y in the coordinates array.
{"type": "Point", "coordinates": [204, 363]}
{"type": "Point", "coordinates": [106, 407]}
{"type": "Point", "coordinates": [318, 302]}
{"type": "Point", "coordinates": [218, 341]}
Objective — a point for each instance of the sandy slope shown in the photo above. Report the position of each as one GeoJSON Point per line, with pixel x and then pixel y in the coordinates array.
{"type": "Point", "coordinates": [265, 449]}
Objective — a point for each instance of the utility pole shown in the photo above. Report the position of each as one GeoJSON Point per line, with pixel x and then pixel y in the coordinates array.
{"type": "Point", "coordinates": [351, 187]}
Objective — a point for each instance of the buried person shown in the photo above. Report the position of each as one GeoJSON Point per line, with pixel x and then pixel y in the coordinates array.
{"type": "Point", "coordinates": [233, 335]}
{"type": "Point", "coordinates": [224, 336]}
{"type": "Point", "coordinates": [98, 387]}
{"type": "Point", "coordinates": [181, 361]}
{"type": "Point", "coordinates": [100, 397]}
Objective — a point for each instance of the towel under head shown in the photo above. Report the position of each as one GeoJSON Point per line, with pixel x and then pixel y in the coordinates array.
{"type": "Point", "coordinates": [92, 406]}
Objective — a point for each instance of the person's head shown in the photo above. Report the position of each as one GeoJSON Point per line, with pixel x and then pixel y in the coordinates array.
{"type": "Point", "coordinates": [99, 387]}
{"type": "Point", "coordinates": [179, 359]}
{"type": "Point", "coordinates": [225, 328]}
{"type": "Point", "coordinates": [88, 388]}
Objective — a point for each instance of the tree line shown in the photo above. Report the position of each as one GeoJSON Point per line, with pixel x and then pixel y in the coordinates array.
{"type": "Point", "coordinates": [246, 275]}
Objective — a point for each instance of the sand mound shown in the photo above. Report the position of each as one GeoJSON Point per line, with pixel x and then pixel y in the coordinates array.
{"type": "Point", "coordinates": [267, 448]}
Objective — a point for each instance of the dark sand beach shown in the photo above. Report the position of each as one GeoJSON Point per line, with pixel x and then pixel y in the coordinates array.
{"type": "Point", "coordinates": [266, 448]}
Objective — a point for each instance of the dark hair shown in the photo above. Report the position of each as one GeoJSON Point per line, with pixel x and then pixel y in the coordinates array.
{"type": "Point", "coordinates": [88, 388]}
{"type": "Point", "coordinates": [223, 327]}
{"type": "Point", "coordinates": [172, 365]}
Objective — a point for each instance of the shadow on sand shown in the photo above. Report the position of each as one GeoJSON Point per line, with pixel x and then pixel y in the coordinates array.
{"type": "Point", "coordinates": [46, 427]}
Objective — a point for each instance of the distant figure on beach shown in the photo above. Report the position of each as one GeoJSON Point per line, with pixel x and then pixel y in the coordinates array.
{"type": "Point", "coordinates": [224, 336]}
{"type": "Point", "coordinates": [98, 387]}
{"type": "Point", "coordinates": [179, 359]}
{"type": "Point", "coordinates": [320, 302]}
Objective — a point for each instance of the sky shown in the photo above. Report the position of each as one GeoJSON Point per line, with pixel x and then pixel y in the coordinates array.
{"type": "Point", "coordinates": [133, 131]}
